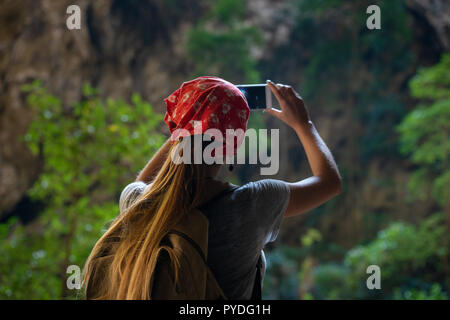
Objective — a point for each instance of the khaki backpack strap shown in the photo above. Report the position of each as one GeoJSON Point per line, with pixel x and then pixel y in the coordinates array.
{"type": "Point", "coordinates": [202, 255]}
{"type": "Point", "coordinates": [192, 242]}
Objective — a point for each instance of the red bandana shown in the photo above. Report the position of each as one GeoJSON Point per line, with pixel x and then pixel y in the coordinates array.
{"type": "Point", "coordinates": [210, 102]}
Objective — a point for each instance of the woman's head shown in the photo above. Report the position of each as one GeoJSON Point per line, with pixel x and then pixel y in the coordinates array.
{"type": "Point", "coordinates": [118, 266]}
{"type": "Point", "coordinates": [207, 104]}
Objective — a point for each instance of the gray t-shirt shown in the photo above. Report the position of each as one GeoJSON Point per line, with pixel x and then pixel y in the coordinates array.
{"type": "Point", "coordinates": [241, 223]}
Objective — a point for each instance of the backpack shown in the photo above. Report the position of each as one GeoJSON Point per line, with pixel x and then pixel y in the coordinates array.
{"type": "Point", "coordinates": [189, 242]}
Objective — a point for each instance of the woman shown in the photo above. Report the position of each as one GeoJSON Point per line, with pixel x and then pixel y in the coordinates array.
{"type": "Point", "coordinates": [241, 221]}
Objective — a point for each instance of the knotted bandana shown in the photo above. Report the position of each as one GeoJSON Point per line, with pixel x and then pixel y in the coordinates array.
{"type": "Point", "coordinates": [207, 103]}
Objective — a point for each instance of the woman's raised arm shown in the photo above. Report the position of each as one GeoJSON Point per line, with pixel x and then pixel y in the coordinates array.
{"type": "Point", "coordinates": [154, 164]}
{"type": "Point", "coordinates": [326, 182]}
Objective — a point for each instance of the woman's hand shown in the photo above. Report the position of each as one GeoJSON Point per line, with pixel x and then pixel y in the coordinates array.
{"type": "Point", "coordinates": [325, 183]}
{"type": "Point", "coordinates": [293, 111]}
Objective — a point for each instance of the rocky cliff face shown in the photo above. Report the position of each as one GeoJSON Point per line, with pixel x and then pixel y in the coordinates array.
{"type": "Point", "coordinates": [112, 51]}
{"type": "Point", "coordinates": [437, 14]}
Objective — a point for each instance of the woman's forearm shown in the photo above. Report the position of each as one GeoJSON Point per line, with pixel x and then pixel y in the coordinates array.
{"type": "Point", "coordinates": [154, 164]}
{"type": "Point", "coordinates": [319, 156]}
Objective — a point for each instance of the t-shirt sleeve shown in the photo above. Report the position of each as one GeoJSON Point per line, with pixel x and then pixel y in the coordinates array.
{"type": "Point", "coordinates": [271, 198]}
{"type": "Point", "coordinates": [130, 193]}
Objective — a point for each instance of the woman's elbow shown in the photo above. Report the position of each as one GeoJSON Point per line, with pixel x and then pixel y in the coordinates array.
{"type": "Point", "coordinates": [337, 185]}
{"type": "Point", "coordinates": [334, 184]}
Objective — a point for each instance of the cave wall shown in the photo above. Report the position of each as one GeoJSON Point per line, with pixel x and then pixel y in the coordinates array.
{"type": "Point", "coordinates": [437, 14]}
{"type": "Point", "coordinates": [111, 51]}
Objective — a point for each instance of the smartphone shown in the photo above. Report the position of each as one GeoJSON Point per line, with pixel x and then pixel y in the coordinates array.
{"type": "Point", "coordinates": [259, 96]}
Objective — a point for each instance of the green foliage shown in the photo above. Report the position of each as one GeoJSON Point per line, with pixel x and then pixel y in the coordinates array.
{"type": "Point", "coordinates": [401, 250]}
{"type": "Point", "coordinates": [433, 83]}
{"type": "Point", "coordinates": [410, 259]}
{"type": "Point", "coordinates": [330, 282]}
{"type": "Point", "coordinates": [311, 236]}
{"type": "Point", "coordinates": [91, 151]}
{"type": "Point", "coordinates": [220, 44]}
{"type": "Point", "coordinates": [424, 132]}
{"type": "Point", "coordinates": [228, 12]}
{"type": "Point", "coordinates": [434, 293]}
{"type": "Point", "coordinates": [281, 280]}
{"type": "Point", "coordinates": [28, 265]}
{"type": "Point", "coordinates": [287, 264]}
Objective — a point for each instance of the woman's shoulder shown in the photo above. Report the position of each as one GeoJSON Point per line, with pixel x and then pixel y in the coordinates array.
{"type": "Point", "coordinates": [261, 189]}
{"type": "Point", "coordinates": [130, 193]}
{"type": "Point", "coordinates": [264, 185]}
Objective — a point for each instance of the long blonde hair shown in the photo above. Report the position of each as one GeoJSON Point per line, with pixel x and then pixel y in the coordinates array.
{"type": "Point", "coordinates": [127, 249]}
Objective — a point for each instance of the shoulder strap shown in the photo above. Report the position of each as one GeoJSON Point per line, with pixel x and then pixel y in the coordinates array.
{"type": "Point", "coordinates": [257, 294]}
{"type": "Point", "coordinates": [200, 251]}
{"type": "Point", "coordinates": [189, 239]}
{"type": "Point", "coordinates": [191, 242]}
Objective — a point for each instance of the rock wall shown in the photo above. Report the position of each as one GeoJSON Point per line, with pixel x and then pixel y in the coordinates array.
{"type": "Point", "coordinates": [111, 51]}
{"type": "Point", "coordinates": [437, 13]}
